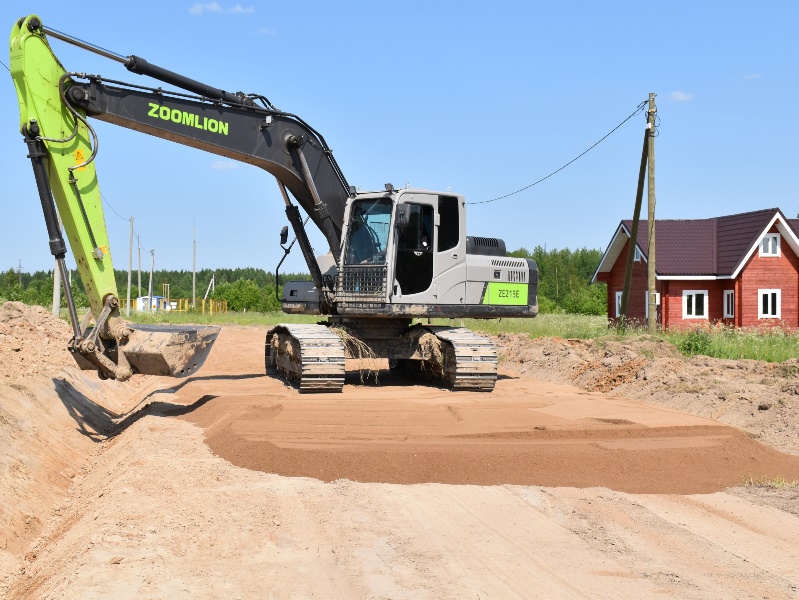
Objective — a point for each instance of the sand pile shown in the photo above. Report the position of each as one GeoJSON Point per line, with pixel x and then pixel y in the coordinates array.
{"type": "Point", "coordinates": [758, 397]}
{"type": "Point", "coordinates": [32, 341]}
{"type": "Point", "coordinates": [50, 423]}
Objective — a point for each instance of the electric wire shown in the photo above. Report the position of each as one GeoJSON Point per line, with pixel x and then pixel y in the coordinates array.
{"type": "Point", "coordinates": [607, 135]}
{"type": "Point", "coordinates": [6, 66]}
{"type": "Point", "coordinates": [107, 203]}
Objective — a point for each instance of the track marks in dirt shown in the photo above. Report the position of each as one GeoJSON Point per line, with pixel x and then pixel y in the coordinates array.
{"type": "Point", "coordinates": [371, 435]}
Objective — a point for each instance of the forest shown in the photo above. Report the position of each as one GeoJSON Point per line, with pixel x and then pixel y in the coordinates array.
{"type": "Point", "coordinates": [564, 284]}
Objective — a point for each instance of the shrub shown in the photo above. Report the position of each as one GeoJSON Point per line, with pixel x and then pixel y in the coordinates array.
{"type": "Point", "coordinates": [695, 342]}
{"type": "Point", "coordinates": [245, 294]}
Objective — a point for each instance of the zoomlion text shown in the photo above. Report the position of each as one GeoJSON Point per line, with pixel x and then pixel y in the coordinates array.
{"type": "Point", "coordinates": [185, 118]}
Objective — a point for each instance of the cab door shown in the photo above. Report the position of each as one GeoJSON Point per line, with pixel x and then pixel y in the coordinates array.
{"type": "Point", "coordinates": [450, 259]}
{"type": "Point", "coordinates": [415, 252]}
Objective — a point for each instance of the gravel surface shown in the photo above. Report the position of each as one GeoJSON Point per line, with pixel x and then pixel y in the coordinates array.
{"type": "Point", "coordinates": [599, 470]}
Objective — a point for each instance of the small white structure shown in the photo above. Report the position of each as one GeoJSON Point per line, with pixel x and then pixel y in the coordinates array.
{"type": "Point", "coordinates": [156, 303]}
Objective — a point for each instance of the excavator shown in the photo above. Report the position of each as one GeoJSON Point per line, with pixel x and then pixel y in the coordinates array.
{"type": "Point", "coordinates": [395, 257]}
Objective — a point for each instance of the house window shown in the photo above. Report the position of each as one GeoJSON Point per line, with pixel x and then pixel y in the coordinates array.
{"type": "Point", "coordinates": [729, 304]}
{"type": "Point", "coordinates": [770, 245]}
{"type": "Point", "coordinates": [638, 255]}
{"type": "Point", "coordinates": [694, 304]}
{"type": "Point", "coordinates": [769, 305]}
{"type": "Point", "coordinates": [618, 304]}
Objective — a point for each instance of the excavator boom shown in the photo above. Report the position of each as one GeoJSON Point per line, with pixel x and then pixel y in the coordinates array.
{"type": "Point", "coordinates": [61, 150]}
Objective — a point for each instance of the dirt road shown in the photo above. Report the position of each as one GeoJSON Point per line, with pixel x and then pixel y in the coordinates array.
{"type": "Point", "coordinates": [231, 485]}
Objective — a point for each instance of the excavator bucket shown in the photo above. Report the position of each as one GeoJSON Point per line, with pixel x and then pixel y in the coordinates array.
{"type": "Point", "coordinates": [176, 350]}
{"type": "Point", "coordinates": [170, 350]}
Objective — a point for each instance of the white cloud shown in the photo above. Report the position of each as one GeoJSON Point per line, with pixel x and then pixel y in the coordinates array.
{"type": "Point", "coordinates": [267, 31]}
{"type": "Point", "coordinates": [224, 165]}
{"type": "Point", "coordinates": [751, 76]}
{"type": "Point", "coordinates": [204, 7]}
{"type": "Point", "coordinates": [200, 8]}
{"type": "Point", "coordinates": [681, 96]}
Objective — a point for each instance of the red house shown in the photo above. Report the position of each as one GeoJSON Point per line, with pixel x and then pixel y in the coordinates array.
{"type": "Point", "coordinates": [742, 270]}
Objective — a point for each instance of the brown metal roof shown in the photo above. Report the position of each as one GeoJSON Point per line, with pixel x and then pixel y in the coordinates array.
{"type": "Point", "coordinates": [705, 246]}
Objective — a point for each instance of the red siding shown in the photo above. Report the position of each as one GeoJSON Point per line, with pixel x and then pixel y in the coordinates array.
{"type": "Point", "coordinates": [771, 272]}
{"type": "Point", "coordinates": [673, 306]}
{"type": "Point", "coordinates": [759, 273]}
{"type": "Point", "coordinates": [636, 309]}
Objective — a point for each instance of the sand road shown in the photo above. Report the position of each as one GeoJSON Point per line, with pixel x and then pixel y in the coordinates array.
{"type": "Point", "coordinates": [230, 484]}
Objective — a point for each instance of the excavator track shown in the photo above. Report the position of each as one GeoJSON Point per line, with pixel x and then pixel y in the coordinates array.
{"type": "Point", "coordinates": [469, 361]}
{"type": "Point", "coordinates": [310, 355]}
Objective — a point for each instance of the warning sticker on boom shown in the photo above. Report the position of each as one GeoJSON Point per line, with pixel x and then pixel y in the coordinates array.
{"type": "Point", "coordinates": [79, 158]}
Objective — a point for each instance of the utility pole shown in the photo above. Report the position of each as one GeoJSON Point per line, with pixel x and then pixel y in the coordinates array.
{"type": "Point", "coordinates": [19, 272]}
{"type": "Point", "coordinates": [652, 296]}
{"type": "Point", "coordinates": [150, 287]}
{"type": "Point", "coordinates": [138, 241]}
{"type": "Point", "coordinates": [628, 274]}
{"type": "Point", "coordinates": [130, 267]}
{"type": "Point", "coordinates": [194, 271]}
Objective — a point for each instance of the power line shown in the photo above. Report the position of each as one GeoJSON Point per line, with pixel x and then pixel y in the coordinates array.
{"type": "Point", "coordinates": [113, 209]}
{"type": "Point", "coordinates": [6, 66]}
{"type": "Point", "coordinates": [637, 110]}
{"type": "Point", "coordinates": [127, 219]}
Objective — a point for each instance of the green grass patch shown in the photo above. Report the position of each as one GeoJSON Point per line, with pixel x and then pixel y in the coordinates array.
{"type": "Point", "coordinates": [549, 325]}
{"type": "Point", "coordinates": [225, 318]}
{"type": "Point", "coordinates": [771, 345]}
{"type": "Point", "coordinates": [778, 483]}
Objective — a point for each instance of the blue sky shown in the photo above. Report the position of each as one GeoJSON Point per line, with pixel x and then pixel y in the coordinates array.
{"type": "Point", "coordinates": [480, 98]}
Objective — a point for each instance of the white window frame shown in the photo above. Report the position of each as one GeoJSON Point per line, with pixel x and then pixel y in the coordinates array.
{"type": "Point", "coordinates": [618, 303]}
{"type": "Point", "coordinates": [774, 311]}
{"type": "Point", "coordinates": [729, 301]}
{"type": "Point", "coordinates": [638, 256]}
{"type": "Point", "coordinates": [769, 245]}
{"type": "Point", "coordinates": [685, 295]}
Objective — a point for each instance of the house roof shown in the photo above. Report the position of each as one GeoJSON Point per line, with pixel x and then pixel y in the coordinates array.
{"type": "Point", "coordinates": [715, 248]}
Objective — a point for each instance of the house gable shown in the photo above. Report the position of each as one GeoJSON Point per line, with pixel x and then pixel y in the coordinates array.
{"type": "Point", "coordinates": [617, 243]}
{"type": "Point", "coordinates": [779, 222]}
{"type": "Point", "coordinates": [719, 257]}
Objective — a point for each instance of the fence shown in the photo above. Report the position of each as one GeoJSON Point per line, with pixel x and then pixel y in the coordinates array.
{"type": "Point", "coordinates": [184, 305]}
{"type": "Point", "coordinates": [210, 306]}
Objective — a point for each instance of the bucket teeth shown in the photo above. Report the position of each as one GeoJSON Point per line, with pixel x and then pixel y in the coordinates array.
{"type": "Point", "coordinates": [169, 350]}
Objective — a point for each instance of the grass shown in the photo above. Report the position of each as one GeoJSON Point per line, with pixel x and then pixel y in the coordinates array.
{"type": "Point", "coordinates": [771, 345]}
{"type": "Point", "coordinates": [226, 318]}
{"type": "Point", "coordinates": [549, 325]}
{"type": "Point", "coordinates": [775, 483]}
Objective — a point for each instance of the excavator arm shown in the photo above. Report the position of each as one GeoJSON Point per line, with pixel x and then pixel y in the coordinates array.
{"type": "Point", "coordinates": [54, 106]}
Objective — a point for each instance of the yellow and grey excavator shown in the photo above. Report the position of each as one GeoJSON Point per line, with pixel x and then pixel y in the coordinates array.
{"type": "Point", "coordinates": [395, 255]}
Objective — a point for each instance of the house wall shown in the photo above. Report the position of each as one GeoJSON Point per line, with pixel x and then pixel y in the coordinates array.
{"type": "Point", "coordinates": [764, 272]}
{"type": "Point", "coordinates": [770, 272]}
{"type": "Point", "coordinates": [672, 301]}
{"type": "Point", "coordinates": [636, 309]}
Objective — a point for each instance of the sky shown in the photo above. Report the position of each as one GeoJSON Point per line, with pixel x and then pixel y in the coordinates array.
{"type": "Point", "coordinates": [476, 98]}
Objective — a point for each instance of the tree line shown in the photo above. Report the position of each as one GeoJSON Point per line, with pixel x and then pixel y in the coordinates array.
{"type": "Point", "coordinates": [243, 288]}
{"type": "Point", "coordinates": [564, 280]}
{"type": "Point", "coordinates": [564, 284]}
